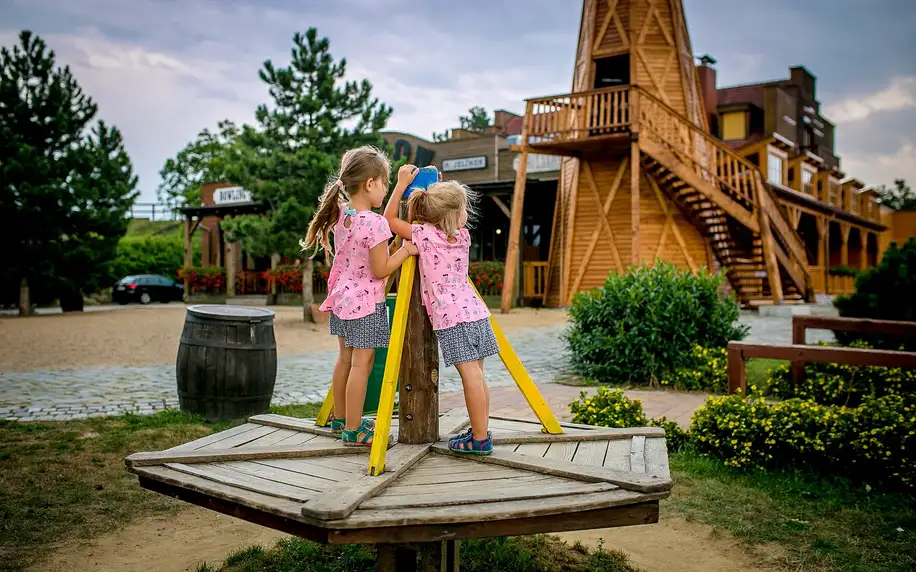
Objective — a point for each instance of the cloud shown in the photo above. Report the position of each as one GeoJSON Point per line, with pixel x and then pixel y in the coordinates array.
{"type": "Point", "coordinates": [882, 169]}
{"type": "Point", "coordinates": [900, 94]}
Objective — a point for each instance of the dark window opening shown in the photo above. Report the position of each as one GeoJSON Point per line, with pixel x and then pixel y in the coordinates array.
{"type": "Point", "coordinates": [613, 71]}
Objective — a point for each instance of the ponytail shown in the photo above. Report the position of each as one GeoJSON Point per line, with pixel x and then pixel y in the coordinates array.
{"type": "Point", "coordinates": [319, 231]}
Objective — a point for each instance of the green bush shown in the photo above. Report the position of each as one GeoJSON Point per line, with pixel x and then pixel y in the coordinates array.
{"type": "Point", "coordinates": [843, 271]}
{"type": "Point", "coordinates": [611, 408]}
{"type": "Point", "coordinates": [148, 255]}
{"type": "Point", "coordinates": [885, 292]}
{"type": "Point", "coordinates": [836, 384]}
{"type": "Point", "coordinates": [873, 442]}
{"type": "Point", "coordinates": [708, 372]}
{"type": "Point", "coordinates": [644, 324]}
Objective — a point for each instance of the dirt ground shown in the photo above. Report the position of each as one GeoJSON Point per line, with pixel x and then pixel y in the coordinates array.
{"type": "Point", "coordinates": [145, 336]}
{"type": "Point", "coordinates": [180, 543]}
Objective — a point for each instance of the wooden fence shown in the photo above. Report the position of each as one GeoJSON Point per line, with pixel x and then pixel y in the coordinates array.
{"type": "Point", "coordinates": [799, 353]}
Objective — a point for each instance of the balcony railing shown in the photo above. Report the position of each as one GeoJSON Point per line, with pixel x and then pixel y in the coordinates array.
{"type": "Point", "coordinates": [578, 116]}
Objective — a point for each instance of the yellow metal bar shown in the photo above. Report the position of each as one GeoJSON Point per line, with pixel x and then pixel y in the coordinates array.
{"type": "Point", "coordinates": [324, 414]}
{"type": "Point", "coordinates": [522, 379]}
{"type": "Point", "coordinates": [392, 368]}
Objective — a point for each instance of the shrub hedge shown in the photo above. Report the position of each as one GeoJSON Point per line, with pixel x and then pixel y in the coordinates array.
{"type": "Point", "coordinates": [643, 325]}
{"type": "Point", "coordinates": [707, 372]}
{"type": "Point", "coordinates": [162, 255]}
{"type": "Point", "coordinates": [488, 277]}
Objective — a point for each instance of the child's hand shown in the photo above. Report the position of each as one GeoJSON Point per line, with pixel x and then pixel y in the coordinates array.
{"type": "Point", "coordinates": [406, 174]}
{"type": "Point", "coordinates": [410, 247]}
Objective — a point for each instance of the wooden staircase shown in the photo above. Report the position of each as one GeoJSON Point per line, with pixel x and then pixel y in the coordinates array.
{"type": "Point", "coordinates": [727, 198]}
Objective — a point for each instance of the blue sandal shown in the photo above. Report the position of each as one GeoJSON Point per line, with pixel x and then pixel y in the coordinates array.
{"type": "Point", "coordinates": [466, 444]}
{"type": "Point", "coordinates": [338, 425]}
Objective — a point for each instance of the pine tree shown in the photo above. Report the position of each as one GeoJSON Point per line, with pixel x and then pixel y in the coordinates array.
{"type": "Point", "coordinates": [287, 159]}
{"type": "Point", "coordinates": [63, 194]}
{"type": "Point", "coordinates": [204, 159]}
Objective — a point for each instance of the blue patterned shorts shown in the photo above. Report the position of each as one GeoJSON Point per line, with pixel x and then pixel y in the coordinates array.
{"type": "Point", "coordinates": [469, 341]}
{"type": "Point", "coordinates": [370, 331]}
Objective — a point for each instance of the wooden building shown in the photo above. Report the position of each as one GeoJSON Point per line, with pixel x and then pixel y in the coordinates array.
{"type": "Point", "coordinates": [645, 175]}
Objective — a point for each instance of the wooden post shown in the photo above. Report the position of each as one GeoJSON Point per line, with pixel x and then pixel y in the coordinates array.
{"type": "Point", "coordinates": [423, 557]}
{"type": "Point", "coordinates": [231, 270]}
{"type": "Point", "coordinates": [513, 254]}
{"type": "Point", "coordinates": [634, 200]}
{"type": "Point", "coordinates": [766, 239]}
{"type": "Point", "coordinates": [418, 390]}
{"type": "Point", "coordinates": [798, 339]}
{"type": "Point", "coordinates": [188, 254]}
{"type": "Point", "coordinates": [737, 376]}
{"type": "Point", "coordinates": [272, 292]}
{"type": "Point", "coordinates": [308, 296]}
{"type": "Point", "coordinates": [25, 299]}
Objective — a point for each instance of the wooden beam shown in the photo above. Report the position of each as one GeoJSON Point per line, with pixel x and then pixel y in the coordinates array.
{"type": "Point", "coordinates": [147, 459]}
{"type": "Point", "coordinates": [574, 166]}
{"type": "Point", "coordinates": [625, 480]}
{"type": "Point", "coordinates": [341, 500]}
{"type": "Point", "coordinates": [669, 220]}
{"type": "Point", "coordinates": [502, 206]}
{"type": "Point", "coordinates": [513, 254]}
{"type": "Point", "coordinates": [768, 243]}
{"type": "Point", "coordinates": [538, 437]}
{"type": "Point", "coordinates": [634, 202]}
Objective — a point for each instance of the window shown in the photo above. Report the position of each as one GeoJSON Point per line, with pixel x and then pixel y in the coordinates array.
{"type": "Point", "coordinates": [734, 126]}
{"type": "Point", "coordinates": [807, 187]}
{"type": "Point", "coordinates": [832, 195]}
{"type": "Point", "coordinates": [774, 168]}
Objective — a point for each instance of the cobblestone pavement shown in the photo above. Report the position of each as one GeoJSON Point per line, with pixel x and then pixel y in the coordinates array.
{"type": "Point", "coordinates": [54, 395]}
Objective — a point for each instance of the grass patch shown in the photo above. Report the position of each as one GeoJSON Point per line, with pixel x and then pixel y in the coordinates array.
{"type": "Point", "coordinates": [64, 480]}
{"type": "Point", "coordinates": [515, 554]}
{"type": "Point", "coordinates": [817, 524]}
{"type": "Point", "coordinates": [759, 368]}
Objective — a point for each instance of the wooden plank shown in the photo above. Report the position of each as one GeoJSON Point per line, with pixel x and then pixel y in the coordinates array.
{"type": "Point", "coordinates": [619, 433]}
{"type": "Point", "coordinates": [245, 482]}
{"type": "Point", "coordinates": [341, 501]}
{"type": "Point", "coordinates": [562, 451]}
{"type": "Point", "coordinates": [278, 475]}
{"type": "Point", "coordinates": [657, 458]}
{"type": "Point", "coordinates": [237, 454]}
{"type": "Point", "coordinates": [299, 439]}
{"type": "Point", "coordinates": [521, 491]}
{"type": "Point", "coordinates": [847, 356]}
{"type": "Point", "coordinates": [293, 423]}
{"type": "Point", "coordinates": [533, 449]}
{"type": "Point", "coordinates": [464, 475]}
{"type": "Point", "coordinates": [892, 327]}
{"type": "Point", "coordinates": [439, 490]}
{"type": "Point", "coordinates": [634, 203]}
{"type": "Point", "coordinates": [564, 424]}
{"type": "Point", "coordinates": [214, 438]}
{"type": "Point", "coordinates": [591, 453]}
{"type": "Point", "coordinates": [638, 455]}
{"type": "Point", "coordinates": [630, 481]}
{"type": "Point", "coordinates": [617, 457]}
{"type": "Point", "coordinates": [670, 219]}
{"type": "Point", "coordinates": [280, 507]}
{"type": "Point", "coordinates": [272, 439]}
{"type": "Point", "coordinates": [309, 468]}
{"type": "Point", "coordinates": [453, 422]}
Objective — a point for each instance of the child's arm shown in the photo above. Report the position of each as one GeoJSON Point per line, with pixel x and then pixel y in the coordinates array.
{"type": "Point", "coordinates": [402, 228]}
{"type": "Point", "coordinates": [382, 264]}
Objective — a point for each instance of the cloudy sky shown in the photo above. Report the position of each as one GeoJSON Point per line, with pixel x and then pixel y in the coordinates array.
{"type": "Point", "coordinates": [162, 70]}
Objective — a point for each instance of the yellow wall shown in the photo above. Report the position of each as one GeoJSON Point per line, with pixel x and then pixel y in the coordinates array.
{"type": "Point", "coordinates": [734, 126]}
{"type": "Point", "coordinates": [903, 226]}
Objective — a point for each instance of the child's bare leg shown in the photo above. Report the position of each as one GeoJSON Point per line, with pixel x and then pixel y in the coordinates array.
{"type": "Point", "coordinates": [339, 379]}
{"type": "Point", "coordinates": [360, 368]}
{"type": "Point", "coordinates": [486, 387]}
{"type": "Point", "coordinates": [475, 397]}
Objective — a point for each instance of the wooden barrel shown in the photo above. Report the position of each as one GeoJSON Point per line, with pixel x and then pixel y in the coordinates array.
{"type": "Point", "coordinates": [227, 361]}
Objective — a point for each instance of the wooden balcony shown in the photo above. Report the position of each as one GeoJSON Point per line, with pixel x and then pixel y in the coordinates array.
{"type": "Point", "coordinates": [573, 123]}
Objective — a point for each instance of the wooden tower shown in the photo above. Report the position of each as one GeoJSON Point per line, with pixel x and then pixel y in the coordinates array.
{"type": "Point", "coordinates": [642, 178]}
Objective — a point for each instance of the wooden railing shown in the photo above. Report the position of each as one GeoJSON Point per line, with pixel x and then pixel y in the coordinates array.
{"type": "Point", "coordinates": [801, 324]}
{"type": "Point", "coordinates": [535, 281]}
{"type": "Point", "coordinates": [577, 116]}
{"type": "Point", "coordinates": [841, 284]}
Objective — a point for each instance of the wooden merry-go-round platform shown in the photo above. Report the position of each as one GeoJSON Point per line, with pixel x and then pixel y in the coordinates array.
{"type": "Point", "coordinates": [288, 474]}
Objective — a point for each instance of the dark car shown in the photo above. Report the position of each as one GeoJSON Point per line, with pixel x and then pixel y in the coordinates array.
{"type": "Point", "coordinates": [146, 288]}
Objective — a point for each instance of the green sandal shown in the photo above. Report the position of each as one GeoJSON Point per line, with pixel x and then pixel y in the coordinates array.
{"type": "Point", "coordinates": [338, 425]}
{"type": "Point", "coordinates": [359, 437]}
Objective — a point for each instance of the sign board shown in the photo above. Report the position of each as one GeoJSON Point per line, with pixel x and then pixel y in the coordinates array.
{"type": "Point", "coordinates": [539, 163]}
{"type": "Point", "coordinates": [465, 163]}
{"type": "Point", "coordinates": [230, 195]}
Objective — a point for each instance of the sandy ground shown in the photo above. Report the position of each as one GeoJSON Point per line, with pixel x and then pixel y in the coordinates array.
{"type": "Point", "coordinates": [145, 336]}
{"type": "Point", "coordinates": [180, 543]}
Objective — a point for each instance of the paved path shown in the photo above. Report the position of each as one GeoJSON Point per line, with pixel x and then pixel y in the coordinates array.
{"type": "Point", "coordinates": [73, 394]}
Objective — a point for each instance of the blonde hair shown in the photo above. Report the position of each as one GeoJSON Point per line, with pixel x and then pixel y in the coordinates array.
{"type": "Point", "coordinates": [443, 204]}
{"type": "Point", "coordinates": [356, 167]}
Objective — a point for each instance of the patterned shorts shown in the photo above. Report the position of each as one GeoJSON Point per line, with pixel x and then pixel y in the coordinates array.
{"type": "Point", "coordinates": [370, 331]}
{"type": "Point", "coordinates": [470, 341]}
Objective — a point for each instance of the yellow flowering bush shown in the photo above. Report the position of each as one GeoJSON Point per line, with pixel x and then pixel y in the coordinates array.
{"type": "Point", "coordinates": [611, 408]}
{"type": "Point", "coordinates": [873, 442]}
{"type": "Point", "coordinates": [707, 372]}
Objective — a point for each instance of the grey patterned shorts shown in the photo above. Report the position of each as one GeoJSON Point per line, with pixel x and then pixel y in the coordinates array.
{"type": "Point", "coordinates": [370, 331]}
{"type": "Point", "coordinates": [470, 341]}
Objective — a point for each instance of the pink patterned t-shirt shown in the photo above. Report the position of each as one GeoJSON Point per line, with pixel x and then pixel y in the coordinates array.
{"type": "Point", "coordinates": [447, 294]}
{"type": "Point", "coordinates": [353, 291]}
